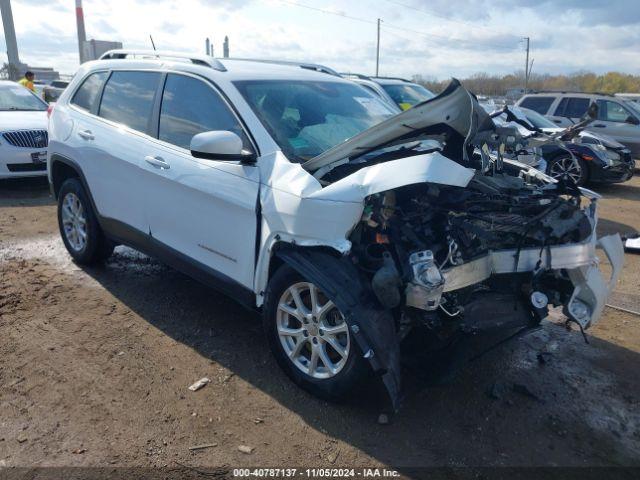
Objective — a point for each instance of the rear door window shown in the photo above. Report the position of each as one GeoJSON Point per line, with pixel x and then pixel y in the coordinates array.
{"type": "Point", "coordinates": [576, 107]}
{"type": "Point", "coordinates": [190, 106]}
{"type": "Point", "coordinates": [87, 95]}
{"type": "Point", "coordinates": [538, 104]}
{"type": "Point", "coordinates": [128, 99]}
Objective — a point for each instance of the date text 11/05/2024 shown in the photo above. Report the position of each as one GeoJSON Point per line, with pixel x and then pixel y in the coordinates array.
{"type": "Point", "coordinates": [315, 472]}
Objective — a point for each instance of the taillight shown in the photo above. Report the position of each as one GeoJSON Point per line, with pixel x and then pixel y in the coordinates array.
{"type": "Point", "coordinates": [50, 110]}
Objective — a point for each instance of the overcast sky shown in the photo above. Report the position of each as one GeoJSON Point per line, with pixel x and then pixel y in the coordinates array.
{"type": "Point", "coordinates": [434, 38]}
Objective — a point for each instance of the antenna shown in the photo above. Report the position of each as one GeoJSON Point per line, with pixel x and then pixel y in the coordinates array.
{"type": "Point", "coordinates": [152, 43]}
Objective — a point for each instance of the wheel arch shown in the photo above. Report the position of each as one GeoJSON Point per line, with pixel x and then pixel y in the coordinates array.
{"type": "Point", "coordinates": [61, 169]}
{"type": "Point", "coordinates": [270, 260]}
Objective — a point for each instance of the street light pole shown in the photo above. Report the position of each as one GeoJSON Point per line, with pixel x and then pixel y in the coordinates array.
{"type": "Point", "coordinates": [526, 67]}
{"type": "Point", "coordinates": [378, 50]}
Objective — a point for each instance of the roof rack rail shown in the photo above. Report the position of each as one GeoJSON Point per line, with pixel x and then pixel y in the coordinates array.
{"type": "Point", "coordinates": [394, 78]}
{"type": "Point", "coordinates": [307, 66]}
{"type": "Point", "coordinates": [572, 92]}
{"type": "Point", "coordinates": [356, 75]}
{"type": "Point", "coordinates": [203, 60]}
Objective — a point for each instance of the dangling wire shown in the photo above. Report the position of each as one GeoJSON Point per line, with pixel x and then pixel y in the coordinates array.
{"type": "Point", "coordinates": [584, 335]}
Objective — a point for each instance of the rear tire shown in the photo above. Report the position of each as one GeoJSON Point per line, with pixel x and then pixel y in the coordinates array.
{"type": "Point", "coordinates": [79, 228]}
{"type": "Point", "coordinates": [337, 368]}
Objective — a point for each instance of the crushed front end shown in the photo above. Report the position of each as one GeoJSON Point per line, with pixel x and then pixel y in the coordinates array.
{"type": "Point", "coordinates": [455, 238]}
{"type": "Point", "coordinates": [496, 254]}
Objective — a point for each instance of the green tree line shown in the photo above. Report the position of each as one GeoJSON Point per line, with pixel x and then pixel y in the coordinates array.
{"type": "Point", "coordinates": [498, 85]}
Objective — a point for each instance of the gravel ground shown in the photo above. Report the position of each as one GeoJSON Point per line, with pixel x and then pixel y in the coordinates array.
{"type": "Point", "coordinates": [96, 363]}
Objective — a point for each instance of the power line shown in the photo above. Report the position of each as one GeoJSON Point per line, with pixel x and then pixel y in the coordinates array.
{"type": "Point", "coordinates": [391, 26]}
{"type": "Point", "coordinates": [444, 17]}
{"type": "Point", "coordinates": [442, 37]}
{"type": "Point", "coordinates": [329, 12]}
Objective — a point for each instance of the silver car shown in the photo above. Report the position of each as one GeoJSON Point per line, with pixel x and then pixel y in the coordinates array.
{"type": "Point", "coordinates": [617, 118]}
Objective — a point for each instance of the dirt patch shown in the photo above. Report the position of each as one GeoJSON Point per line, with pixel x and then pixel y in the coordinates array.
{"type": "Point", "coordinates": [97, 363]}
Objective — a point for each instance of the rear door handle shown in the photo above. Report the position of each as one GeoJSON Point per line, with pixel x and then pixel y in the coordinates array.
{"type": "Point", "coordinates": [157, 162]}
{"type": "Point", "coordinates": [600, 125]}
{"type": "Point", "coordinates": [86, 134]}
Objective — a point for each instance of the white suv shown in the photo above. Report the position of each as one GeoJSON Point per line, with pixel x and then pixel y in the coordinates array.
{"type": "Point", "coordinates": [300, 193]}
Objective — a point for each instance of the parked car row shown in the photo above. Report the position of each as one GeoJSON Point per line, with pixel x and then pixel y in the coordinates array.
{"type": "Point", "coordinates": [590, 157]}
{"type": "Point", "coordinates": [618, 118]}
{"type": "Point", "coordinates": [353, 227]}
{"type": "Point", "coordinates": [582, 157]}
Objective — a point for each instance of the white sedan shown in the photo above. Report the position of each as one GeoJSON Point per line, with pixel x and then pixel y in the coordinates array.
{"type": "Point", "coordinates": [23, 132]}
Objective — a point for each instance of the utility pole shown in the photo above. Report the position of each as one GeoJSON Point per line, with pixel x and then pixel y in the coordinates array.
{"type": "Point", "coordinates": [378, 50]}
{"type": "Point", "coordinates": [207, 46]}
{"type": "Point", "coordinates": [82, 35]}
{"type": "Point", "coordinates": [526, 67]}
{"type": "Point", "coordinates": [225, 47]}
{"type": "Point", "coordinates": [10, 37]}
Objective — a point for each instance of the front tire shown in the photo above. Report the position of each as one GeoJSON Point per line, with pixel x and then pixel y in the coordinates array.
{"type": "Point", "coordinates": [564, 166]}
{"type": "Point", "coordinates": [310, 338]}
{"type": "Point", "coordinates": [79, 228]}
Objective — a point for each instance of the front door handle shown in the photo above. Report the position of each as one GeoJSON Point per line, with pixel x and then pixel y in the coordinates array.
{"type": "Point", "coordinates": [600, 125]}
{"type": "Point", "coordinates": [86, 134]}
{"type": "Point", "coordinates": [157, 162]}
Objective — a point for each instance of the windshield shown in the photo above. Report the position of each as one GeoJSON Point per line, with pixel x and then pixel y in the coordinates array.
{"type": "Point", "coordinates": [306, 118]}
{"type": "Point", "coordinates": [633, 106]}
{"type": "Point", "coordinates": [19, 98]}
{"type": "Point", "coordinates": [408, 95]}
{"type": "Point", "coordinates": [537, 120]}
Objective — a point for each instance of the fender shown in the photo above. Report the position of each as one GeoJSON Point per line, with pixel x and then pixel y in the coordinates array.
{"type": "Point", "coordinates": [372, 327]}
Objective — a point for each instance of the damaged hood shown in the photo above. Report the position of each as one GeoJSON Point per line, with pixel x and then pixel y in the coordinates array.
{"type": "Point", "coordinates": [431, 167]}
{"type": "Point", "coordinates": [604, 140]}
{"type": "Point", "coordinates": [455, 114]}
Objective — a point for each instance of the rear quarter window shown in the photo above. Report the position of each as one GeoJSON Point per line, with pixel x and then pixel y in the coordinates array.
{"type": "Point", "coordinates": [87, 95]}
{"type": "Point", "coordinates": [538, 104]}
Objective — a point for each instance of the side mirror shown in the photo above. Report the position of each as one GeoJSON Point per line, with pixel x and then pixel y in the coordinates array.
{"type": "Point", "coordinates": [220, 145]}
{"type": "Point", "coordinates": [632, 120]}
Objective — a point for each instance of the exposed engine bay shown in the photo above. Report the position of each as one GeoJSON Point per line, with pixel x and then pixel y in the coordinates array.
{"type": "Point", "coordinates": [426, 248]}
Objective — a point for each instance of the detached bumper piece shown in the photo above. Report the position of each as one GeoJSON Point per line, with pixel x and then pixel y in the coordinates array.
{"type": "Point", "coordinates": [591, 289]}
{"type": "Point", "coordinates": [632, 244]}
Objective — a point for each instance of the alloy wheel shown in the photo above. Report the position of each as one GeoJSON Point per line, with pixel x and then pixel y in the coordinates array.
{"type": "Point", "coordinates": [74, 222]}
{"type": "Point", "coordinates": [566, 167]}
{"type": "Point", "coordinates": [312, 331]}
